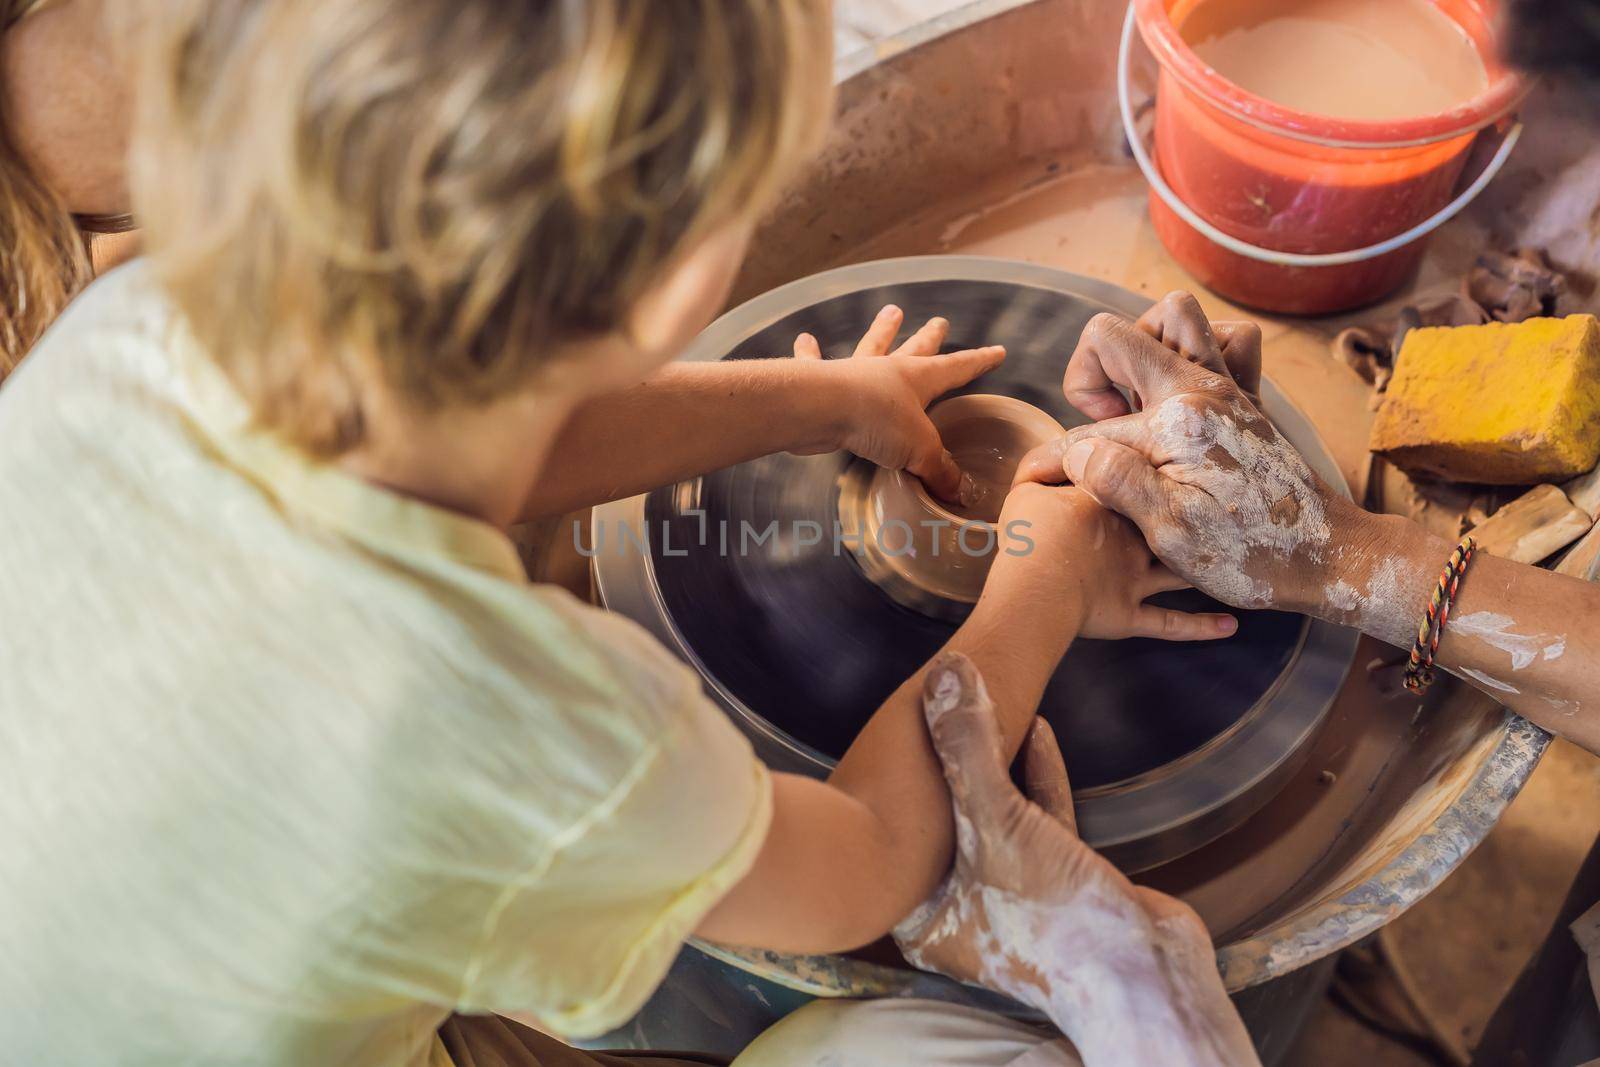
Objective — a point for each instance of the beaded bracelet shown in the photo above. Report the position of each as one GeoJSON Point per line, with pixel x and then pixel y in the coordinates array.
{"type": "Point", "coordinates": [1419, 671]}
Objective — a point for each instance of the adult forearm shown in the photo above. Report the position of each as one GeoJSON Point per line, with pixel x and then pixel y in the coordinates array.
{"type": "Point", "coordinates": [1526, 636]}
{"type": "Point", "coordinates": [687, 419]}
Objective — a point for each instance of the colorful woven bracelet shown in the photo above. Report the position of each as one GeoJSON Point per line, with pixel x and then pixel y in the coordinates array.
{"type": "Point", "coordinates": [1419, 671]}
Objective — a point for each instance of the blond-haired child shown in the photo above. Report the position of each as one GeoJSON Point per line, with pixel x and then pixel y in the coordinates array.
{"type": "Point", "coordinates": [297, 764]}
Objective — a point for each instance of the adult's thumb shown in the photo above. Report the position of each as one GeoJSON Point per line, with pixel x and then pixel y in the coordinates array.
{"type": "Point", "coordinates": [966, 736]}
{"type": "Point", "coordinates": [1119, 477]}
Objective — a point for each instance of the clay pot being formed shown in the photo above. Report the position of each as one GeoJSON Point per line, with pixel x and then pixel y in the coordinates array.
{"type": "Point", "coordinates": [931, 555]}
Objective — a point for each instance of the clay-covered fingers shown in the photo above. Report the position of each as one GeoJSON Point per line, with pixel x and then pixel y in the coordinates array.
{"type": "Point", "coordinates": [806, 347]}
{"type": "Point", "coordinates": [1046, 463]}
{"type": "Point", "coordinates": [1179, 323]}
{"type": "Point", "coordinates": [1231, 348]}
{"type": "Point", "coordinates": [1168, 624]}
{"type": "Point", "coordinates": [1241, 355]}
{"type": "Point", "coordinates": [1120, 478]}
{"type": "Point", "coordinates": [1113, 352]}
{"type": "Point", "coordinates": [1044, 775]}
{"type": "Point", "coordinates": [966, 737]}
{"type": "Point", "coordinates": [927, 340]}
{"type": "Point", "coordinates": [1163, 908]}
{"type": "Point", "coordinates": [879, 338]}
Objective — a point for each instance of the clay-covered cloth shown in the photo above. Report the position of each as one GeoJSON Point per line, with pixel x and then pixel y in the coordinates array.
{"type": "Point", "coordinates": [493, 1041]}
{"type": "Point", "coordinates": [928, 1033]}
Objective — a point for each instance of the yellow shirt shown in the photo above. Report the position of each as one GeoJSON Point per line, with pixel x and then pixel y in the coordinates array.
{"type": "Point", "coordinates": [291, 767]}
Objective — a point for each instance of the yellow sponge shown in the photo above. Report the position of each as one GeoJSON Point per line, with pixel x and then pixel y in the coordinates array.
{"type": "Point", "coordinates": [1504, 403]}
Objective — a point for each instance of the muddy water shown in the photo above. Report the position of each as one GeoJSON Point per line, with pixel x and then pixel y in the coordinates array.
{"type": "Point", "coordinates": [1356, 59]}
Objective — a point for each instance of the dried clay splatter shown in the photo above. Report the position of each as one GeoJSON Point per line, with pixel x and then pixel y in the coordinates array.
{"type": "Point", "coordinates": [1495, 630]}
{"type": "Point", "coordinates": [1484, 679]}
{"type": "Point", "coordinates": [1381, 608]}
{"type": "Point", "coordinates": [1271, 496]}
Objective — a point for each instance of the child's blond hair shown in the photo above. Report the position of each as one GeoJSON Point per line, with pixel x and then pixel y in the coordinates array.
{"type": "Point", "coordinates": [446, 190]}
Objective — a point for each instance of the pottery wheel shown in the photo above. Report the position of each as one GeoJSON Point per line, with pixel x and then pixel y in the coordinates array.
{"type": "Point", "coordinates": [1167, 745]}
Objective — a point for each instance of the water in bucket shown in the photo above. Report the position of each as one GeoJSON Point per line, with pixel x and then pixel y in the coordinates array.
{"type": "Point", "coordinates": [1355, 59]}
{"type": "Point", "coordinates": [1302, 131]}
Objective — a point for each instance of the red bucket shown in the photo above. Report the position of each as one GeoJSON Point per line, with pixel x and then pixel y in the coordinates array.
{"type": "Point", "coordinates": [1294, 212]}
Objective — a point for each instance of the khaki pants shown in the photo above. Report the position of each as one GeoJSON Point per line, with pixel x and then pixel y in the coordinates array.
{"type": "Point", "coordinates": [826, 1033]}
{"type": "Point", "coordinates": [916, 1033]}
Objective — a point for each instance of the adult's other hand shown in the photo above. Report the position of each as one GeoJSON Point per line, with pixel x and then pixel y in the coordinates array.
{"type": "Point", "coordinates": [1031, 911]}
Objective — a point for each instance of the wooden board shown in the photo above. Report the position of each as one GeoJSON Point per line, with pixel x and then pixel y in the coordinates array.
{"type": "Point", "coordinates": [1533, 527]}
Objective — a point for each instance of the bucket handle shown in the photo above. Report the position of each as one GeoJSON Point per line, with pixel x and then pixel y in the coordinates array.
{"type": "Point", "coordinates": [1270, 255]}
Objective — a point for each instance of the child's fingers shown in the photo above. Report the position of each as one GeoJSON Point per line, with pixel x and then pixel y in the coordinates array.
{"type": "Point", "coordinates": [1165, 624]}
{"type": "Point", "coordinates": [806, 347]}
{"type": "Point", "coordinates": [955, 369]}
{"type": "Point", "coordinates": [926, 341]}
{"type": "Point", "coordinates": [1163, 579]}
{"type": "Point", "coordinates": [879, 337]}
{"type": "Point", "coordinates": [937, 468]}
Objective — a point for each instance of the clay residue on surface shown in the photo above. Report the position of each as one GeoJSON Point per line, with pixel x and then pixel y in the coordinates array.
{"type": "Point", "coordinates": [1268, 882]}
{"type": "Point", "coordinates": [1533, 526]}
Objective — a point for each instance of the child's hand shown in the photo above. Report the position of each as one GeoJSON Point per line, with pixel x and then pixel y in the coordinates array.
{"type": "Point", "coordinates": [1057, 542]}
{"type": "Point", "coordinates": [879, 397]}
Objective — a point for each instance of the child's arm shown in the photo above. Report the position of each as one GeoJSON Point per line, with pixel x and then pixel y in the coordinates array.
{"type": "Point", "coordinates": [847, 859]}
{"type": "Point", "coordinates": [690, 418]}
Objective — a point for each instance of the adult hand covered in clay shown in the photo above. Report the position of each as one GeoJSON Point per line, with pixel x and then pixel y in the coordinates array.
{"type": "Point", "coordinates": [883, 392]}
{"type": "Point", "coordinates": [1222, 498]}
{"type": "Point", "coordinates": [1031, 911]}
